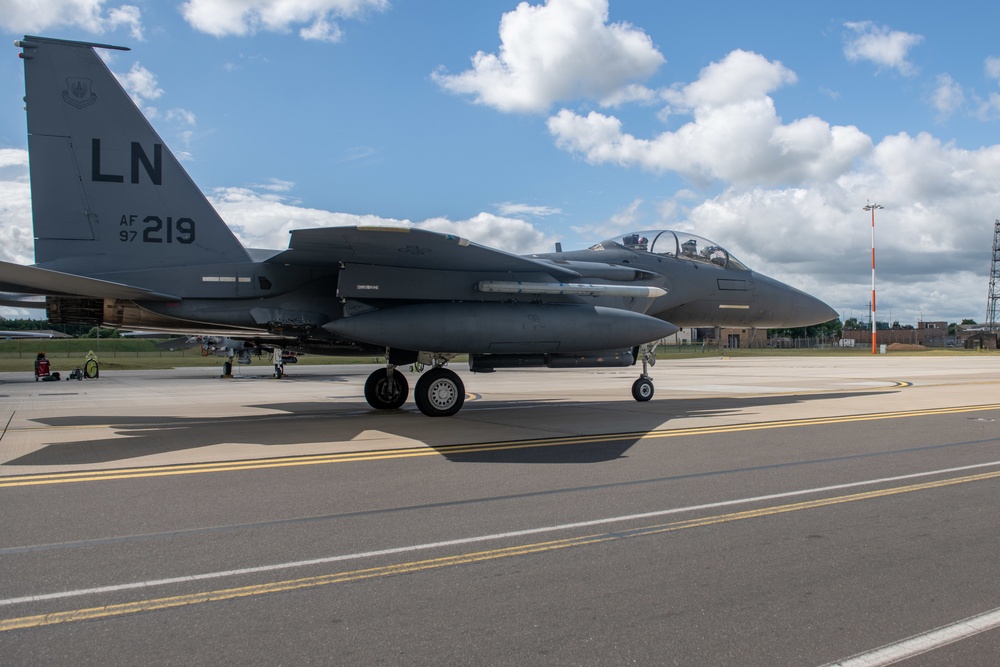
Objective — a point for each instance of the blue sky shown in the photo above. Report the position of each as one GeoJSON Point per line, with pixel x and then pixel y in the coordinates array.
{"type": "Point", "coordinates": [763, 126]}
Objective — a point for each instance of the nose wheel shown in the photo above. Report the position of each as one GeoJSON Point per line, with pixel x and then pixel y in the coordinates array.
{"type": "Point", "coordinates": [642, 389]}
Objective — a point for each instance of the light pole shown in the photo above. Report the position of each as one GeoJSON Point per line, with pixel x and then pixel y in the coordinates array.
{"type": "Point", "coordinates": [871, 207]}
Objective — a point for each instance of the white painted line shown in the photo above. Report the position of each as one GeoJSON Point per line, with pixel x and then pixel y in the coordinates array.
{"type": "Point", "coordinates": [924, 643]}
{"type": "Point", "coordinates": [478, 538]}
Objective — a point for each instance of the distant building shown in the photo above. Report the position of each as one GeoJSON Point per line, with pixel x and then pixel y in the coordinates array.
{"type": "Point", "coordinates": [980, 340]}
{"type": "Point", "coordinates": [730, 338]}
{"type": "Point", "coordinates": [930, 334]}
{"type": "Point", "coordinates": [934, 334]}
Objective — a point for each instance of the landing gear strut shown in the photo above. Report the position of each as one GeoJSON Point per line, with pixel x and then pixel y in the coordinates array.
{"type": "Point", "coordinates": [279, 365]}
{"type": "Point", "coordinates": [642, 389]}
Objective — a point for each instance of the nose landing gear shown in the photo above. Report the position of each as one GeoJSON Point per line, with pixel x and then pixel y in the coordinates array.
{"type": "Point", "coordinates": [642, 389]}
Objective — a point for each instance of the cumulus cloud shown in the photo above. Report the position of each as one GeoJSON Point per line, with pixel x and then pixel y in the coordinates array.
{"type": "Point", "coordinates": [264, 220]}
{"type": "Point", "coordinates": [16, 238]}
{"type": "Point", "coordinates": [948, 96]}
{"type": "Point", "coordinates": [888, 49]}
{"type": "Point", "coordinates": [247, 17]}
{"type": "Point", "coordinates": [933, 237]}
{"type": "Point", "coordinates": [140, 84]}
{"type": "Point", "coordinates": [731, 106]}
{"type": "Point", "coordinates": [792, 192]}
{"type": "Point", "coordinates": [562, 50]}
{"type": "Point", "coordinates": [39, 16]}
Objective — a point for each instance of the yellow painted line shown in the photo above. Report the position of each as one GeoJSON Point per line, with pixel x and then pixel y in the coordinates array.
{"type": "Point", "coordinates": [122, 609]}
{"type": "Point", "coordinates": [438, 450]}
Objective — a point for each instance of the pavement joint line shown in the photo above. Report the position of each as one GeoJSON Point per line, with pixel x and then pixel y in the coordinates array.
{"type": "Point", "coordinates": [138, 606]}
{"type": "Point", "coordinates": [436, 450]}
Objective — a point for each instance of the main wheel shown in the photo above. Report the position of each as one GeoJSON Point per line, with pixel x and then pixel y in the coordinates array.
{"type": "Point", "coordinates": [439, 393]}
{"type": "Point", "coordinates": [386, 392]}
{"type": "Point", "coordinates": [642, 389]}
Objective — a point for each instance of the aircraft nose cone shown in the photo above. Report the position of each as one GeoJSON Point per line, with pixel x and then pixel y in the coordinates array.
{"type": "Point", "coordinates": [809, 308]}
{"type": "Point", "coordinates": [791, 307]}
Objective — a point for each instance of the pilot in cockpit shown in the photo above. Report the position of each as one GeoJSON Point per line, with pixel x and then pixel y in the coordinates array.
{"type": "Point", "coordinates": [635, 242]}
{"type": "Point", "coordinates": [714, 254]}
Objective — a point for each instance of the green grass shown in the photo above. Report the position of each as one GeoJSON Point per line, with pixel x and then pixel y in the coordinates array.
{"type": "Point", "coordinates": [123, 354]}
{"type": "Point", "coordinates": [133, 354]}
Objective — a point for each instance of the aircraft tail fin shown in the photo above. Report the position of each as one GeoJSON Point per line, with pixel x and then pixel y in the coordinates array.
{"type": "Point", "coordinates": [106, 193]}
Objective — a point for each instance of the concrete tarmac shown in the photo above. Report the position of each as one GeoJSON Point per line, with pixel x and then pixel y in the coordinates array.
{"type": "Point", "coordinates": [142, 418]}
{"type": "Point", "coordinates": [758, 511]}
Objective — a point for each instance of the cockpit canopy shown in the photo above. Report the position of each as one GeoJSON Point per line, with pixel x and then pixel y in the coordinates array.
{"type": "Point", "coordinates": [681, 245]}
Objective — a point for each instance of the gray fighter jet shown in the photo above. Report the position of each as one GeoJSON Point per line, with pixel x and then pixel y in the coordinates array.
{"type": "Point", "coordinates": [124, 238]}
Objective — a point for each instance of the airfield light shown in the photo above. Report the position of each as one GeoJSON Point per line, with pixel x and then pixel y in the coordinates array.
{"type": "Point", "coordinates": [871, 207]}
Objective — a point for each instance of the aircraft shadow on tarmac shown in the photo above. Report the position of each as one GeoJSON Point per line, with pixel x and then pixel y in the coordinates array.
{"type": "Point", "coordinates": [320, 422]}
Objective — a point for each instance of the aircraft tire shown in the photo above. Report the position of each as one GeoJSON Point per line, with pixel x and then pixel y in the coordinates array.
{"type": "Point", "coordinates": [278, 371]}
{"type": "Point", "coordinates": [383, 395]}
{"type": "Point", "coordinates": [642, 389]}
{"type": "Point", "coordinates": [439, 393]}
{"type": "Point", "coordinates": [227, 369]}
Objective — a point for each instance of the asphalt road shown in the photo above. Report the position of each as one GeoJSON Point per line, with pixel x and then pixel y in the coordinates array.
{"type": "Point", "coordinates": [794, 511]}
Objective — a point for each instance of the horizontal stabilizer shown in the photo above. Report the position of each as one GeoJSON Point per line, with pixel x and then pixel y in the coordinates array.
{"type": "Point", "coordinates": [575, 289]}
{"type": "Point", "coordinates": [34, 280]}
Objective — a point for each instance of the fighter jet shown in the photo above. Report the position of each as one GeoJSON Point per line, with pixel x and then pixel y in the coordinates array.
{"type": "Point", "coordinates": [124, 238]}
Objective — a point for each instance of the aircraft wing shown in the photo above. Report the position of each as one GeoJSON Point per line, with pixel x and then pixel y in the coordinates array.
{"type": "Point", "coordinates": [26, 334]}
{"type": "Point", "coordinates": [405, 247]}
{"type": "Point", "coordinates": [34, 280]}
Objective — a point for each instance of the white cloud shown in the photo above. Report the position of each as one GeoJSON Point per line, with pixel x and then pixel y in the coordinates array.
{"type": "Point", "coordinates": [624, 220]}
{"type": "Point", "coordinates": [886, 48]}
{"type": "Point", "coordinates": [933, 237]}
{"type": "Point", "coordinates": [562, 50]}
{"type": "Point", "coordinates": [742, 76]}
{"type": "Point", "coordinates": [948, 96]}
{"type": "Point", "coordinates": [992, 68]}
{"type": "Point", "coordinates": [510, 234]}
{"type": "Point", "coordinates": [247, 17]}
{"type": "Point", "coordinates": [633, 92]}
{"type": "Point", "coordinates": [511, 208]}
{"type": "Point", "coordinates": [39, 16]}
{"type": "Point", "coordinates": [731, 108]}
{"type": "Point", "coordinates": [140, 84]}
{"type": "Point", "coordinates": [16, 238]}
{"type": "Point", "coordinates": [989, 109]}
{"type": "Point", "coordinates": [264, 220]}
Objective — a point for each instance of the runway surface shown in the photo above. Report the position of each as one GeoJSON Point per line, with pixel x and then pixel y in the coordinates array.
{"type": "Point", "coordinates": [758, 511]}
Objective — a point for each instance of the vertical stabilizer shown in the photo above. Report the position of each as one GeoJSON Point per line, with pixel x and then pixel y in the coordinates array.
{"type": "Point", "coordinates": [106, 193]}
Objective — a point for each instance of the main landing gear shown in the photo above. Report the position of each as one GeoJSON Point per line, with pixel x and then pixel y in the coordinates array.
{"type": "Point", "coordinates": [386, 389]}
{"type": "Point", "coordinates": [439, 392]}
{"type": "Point", "coordinates": [642, 389]}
